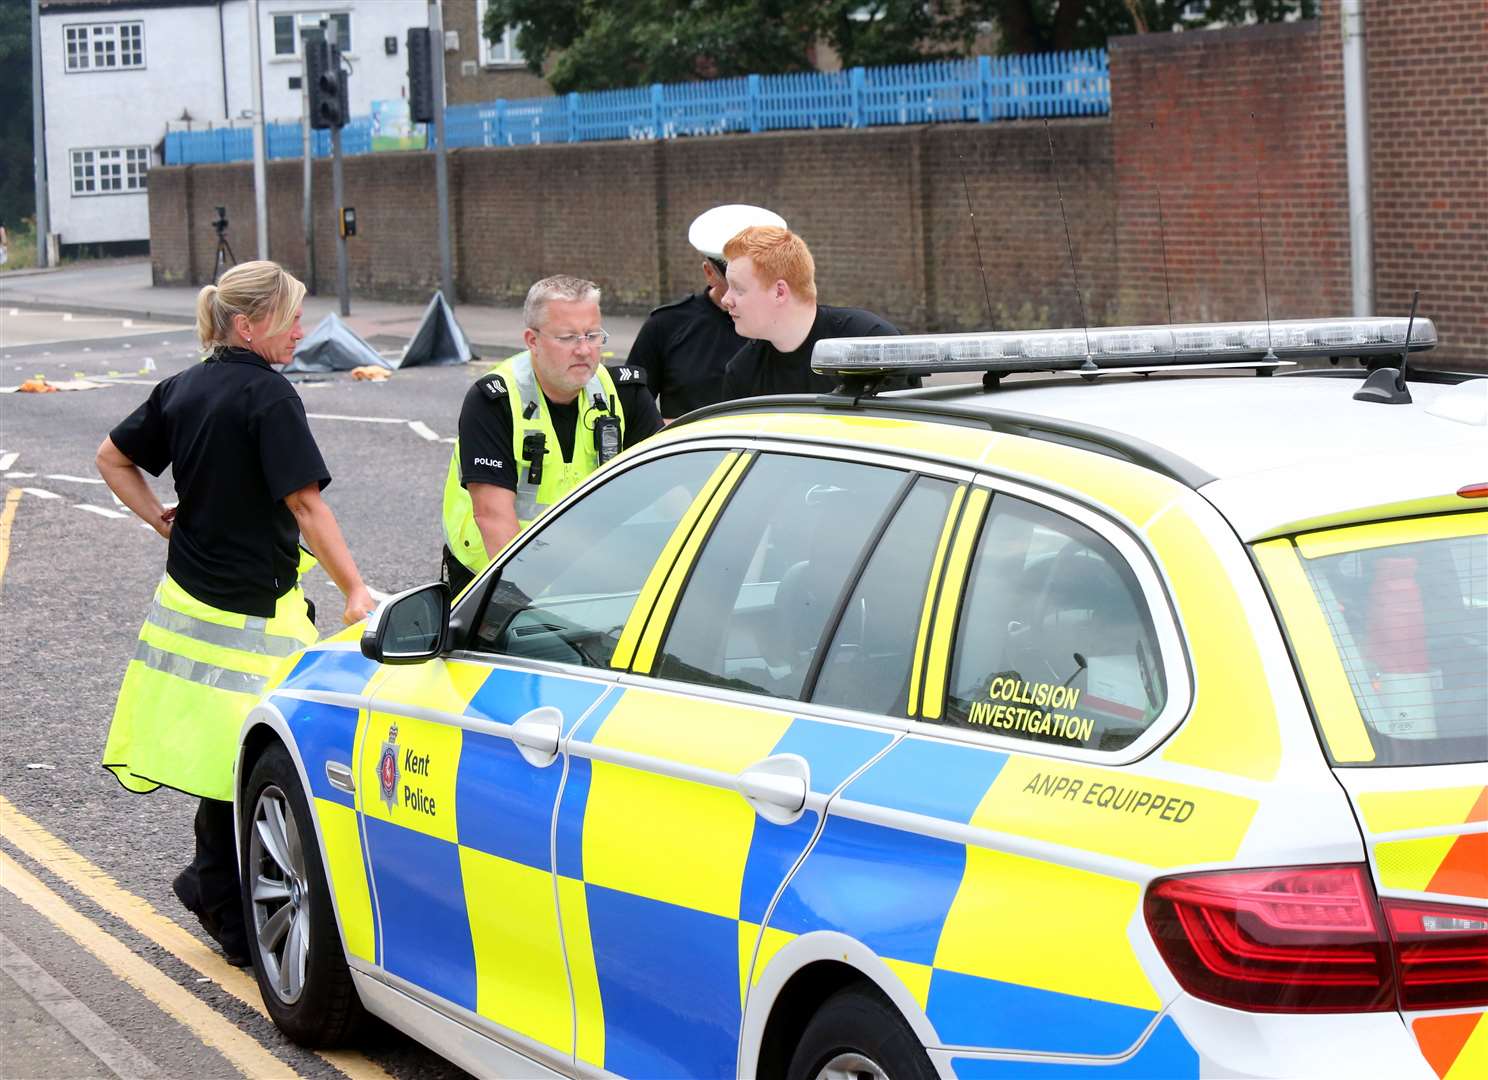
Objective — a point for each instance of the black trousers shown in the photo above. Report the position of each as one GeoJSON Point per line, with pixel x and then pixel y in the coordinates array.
{"type": "Point", "coordinates": [209, 886]}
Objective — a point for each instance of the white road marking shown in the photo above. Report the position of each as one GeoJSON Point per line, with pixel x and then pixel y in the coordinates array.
{"type": "Point", "coordinates": [7, 460]}
{"type": "Point", "coordinates": [377, 594]}
{"type": "Point", "coordinates": [422, 430]}
{"type": "Point", "coordinates": [102, 511]}
{"type": "Point", "coordinates": [20, 475]}
{"type": "Point", "coordinates": [74, 479]}
{"type": "Point", "coordinates": [449, 439]}
{"type": "Point", "coordinates": [41, 493]}
{"type": "Point", "coordinates": [102, 1041]}
{"type": "Point", "coordinates": [360, 419]}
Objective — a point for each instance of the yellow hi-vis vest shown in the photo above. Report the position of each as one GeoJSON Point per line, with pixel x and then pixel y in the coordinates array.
{"type": "Point", "coordinates": [559, 477]}
{"type": "Point", "coordinates": [196, 672]}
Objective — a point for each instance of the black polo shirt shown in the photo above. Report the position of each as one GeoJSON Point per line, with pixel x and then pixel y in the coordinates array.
{"type": "Point", "coordinates": [684, 348]}
{"type": "Point", "coordinates": [487, 455]}
{"type": "Point", "coordinates": [234, 432]}
{"type": "Point", "coordinates": [759, 368]}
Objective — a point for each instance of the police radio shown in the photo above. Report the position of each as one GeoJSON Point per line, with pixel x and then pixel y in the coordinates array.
{"type": "Point", "coordinates": [534, 446]}
{"type": "Point", "coordinates": [606, 431]}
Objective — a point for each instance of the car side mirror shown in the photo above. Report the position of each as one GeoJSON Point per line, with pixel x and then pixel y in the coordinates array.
{"type": "Point", "coordinates": [410, 627]}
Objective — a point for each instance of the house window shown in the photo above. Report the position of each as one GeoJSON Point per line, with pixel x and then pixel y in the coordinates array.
{"type": "Point", "coordinates": [286, 40]}
{"type": "Point", "coordinates": [503, 53]}
{"type": "Point", "coordinates": [113, 170]}
{"type": "Point", "coordinates": [104, 46]}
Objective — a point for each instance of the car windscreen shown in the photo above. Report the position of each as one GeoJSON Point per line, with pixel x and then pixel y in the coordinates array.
{"type": "Point", "coordinates": [1405, 606]}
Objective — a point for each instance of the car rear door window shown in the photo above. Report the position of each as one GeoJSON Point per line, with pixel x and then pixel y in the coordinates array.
{"type": "Point", "coordinates": [867, 666]}
{"type": "Point", "coordinates": [756, 605]}
{"type": "Point", "coordinates": [1055, 640]}
{"type": "Point", "coordinates": [566, 595]}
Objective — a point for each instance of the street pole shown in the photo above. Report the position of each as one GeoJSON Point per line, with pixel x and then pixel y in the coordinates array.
{"type": "Point", "coordinates": [341, 289]}
{"type": "Point", "coordinates": [307, 212]}
{"type": "Point", "coordinates": [1356, 144]}
{"type": "Point", "coordinates": [441, 162]}
{"type": "Point", "coordinates": [38, 138]}
{"type": "Point", "coordinates": [260, 153]}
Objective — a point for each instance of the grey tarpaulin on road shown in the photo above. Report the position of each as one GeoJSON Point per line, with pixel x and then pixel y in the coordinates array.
{"type": "Point", "coordinates": [438, 340]}
{"type": "Point", "coordinates": [333, 346]}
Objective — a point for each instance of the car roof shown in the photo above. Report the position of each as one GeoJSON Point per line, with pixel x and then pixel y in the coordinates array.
{"type": "Point", "coordinates": [1283, 452]}
{"type": "Point", "coordinates": [1274, 455]}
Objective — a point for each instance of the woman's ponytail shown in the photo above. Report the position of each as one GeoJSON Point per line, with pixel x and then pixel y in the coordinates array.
{"type": "Point", "coordinates": [211, 320]}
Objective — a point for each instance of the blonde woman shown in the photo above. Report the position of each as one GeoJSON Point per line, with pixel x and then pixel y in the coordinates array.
{"type": "Point", "coordinates": [248, 478]}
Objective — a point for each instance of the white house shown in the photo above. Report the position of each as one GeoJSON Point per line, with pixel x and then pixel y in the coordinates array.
{"type": "Point", "coordinates": [116, 72]}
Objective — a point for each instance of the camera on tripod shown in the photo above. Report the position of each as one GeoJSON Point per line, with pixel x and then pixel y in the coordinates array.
{"type": "Point", "coordinates": [225, 256]}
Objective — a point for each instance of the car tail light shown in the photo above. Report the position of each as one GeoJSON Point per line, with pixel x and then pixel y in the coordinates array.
{"type": "Point", "coordinates": [1441, 954]}
{"type": "Point", "coordinates": [1298, 939]}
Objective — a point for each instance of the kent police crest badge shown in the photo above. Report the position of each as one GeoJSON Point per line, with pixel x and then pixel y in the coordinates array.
{"type": "Point", "coordinates": [387, 768]}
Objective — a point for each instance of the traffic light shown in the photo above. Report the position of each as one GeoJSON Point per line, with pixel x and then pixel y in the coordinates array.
{"type": "Point", "coordinates": [420, 76]}
{"type": "Point", "coordinates": [327, 85]}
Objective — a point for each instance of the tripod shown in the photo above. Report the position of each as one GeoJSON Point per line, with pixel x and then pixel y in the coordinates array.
{"type": "Point", "coordinates": [225, 256]}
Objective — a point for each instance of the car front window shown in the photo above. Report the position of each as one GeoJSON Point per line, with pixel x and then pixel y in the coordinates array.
{"type": "Point", "coordinates": [566, 594]}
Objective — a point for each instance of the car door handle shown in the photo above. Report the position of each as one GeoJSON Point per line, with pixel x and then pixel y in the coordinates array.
{"type": "Point", "coordinates": [777, 787]}
{"type": "Point", "coordinates": [538, 734]}
{"type": "Point", "coordinates": [339, 777]}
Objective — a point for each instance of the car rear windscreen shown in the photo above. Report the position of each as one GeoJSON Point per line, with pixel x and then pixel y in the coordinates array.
{"type": "Point", "coordinates": [1406, 606]}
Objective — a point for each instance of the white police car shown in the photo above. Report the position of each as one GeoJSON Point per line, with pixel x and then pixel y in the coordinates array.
{"type": "Point", "coordinates": [1123, 726]}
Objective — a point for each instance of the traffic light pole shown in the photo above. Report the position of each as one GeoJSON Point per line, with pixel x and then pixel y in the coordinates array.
{"type": "Point", "coordinates": [336, 197]}
{"type": "Point", "coordinates": [441, 164]}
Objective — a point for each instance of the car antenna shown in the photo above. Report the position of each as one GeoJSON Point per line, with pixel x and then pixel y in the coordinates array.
{"type": "Point", "coordinates": [1270, 357]}
{"type": "Point", "coordinates": [981, 266]}
{"type": "Point", "coordinates": [1162, 235]}
{"type": "Point", "coordinates": [1386, 385]}
{"type": "Point", "coordinates": [1088, 370]}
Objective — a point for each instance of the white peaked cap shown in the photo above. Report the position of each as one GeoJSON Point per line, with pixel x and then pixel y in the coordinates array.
{"type": "Point", "coordinates": [714, 228]}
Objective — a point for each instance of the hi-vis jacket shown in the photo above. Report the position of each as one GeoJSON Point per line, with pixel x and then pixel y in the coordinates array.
{"type": "Point", "coordinates": [195, 674]}
{"type": "Point", "coordinates": [558, 477]}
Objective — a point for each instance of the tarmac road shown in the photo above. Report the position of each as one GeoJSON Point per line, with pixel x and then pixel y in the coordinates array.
{"type": "Point", "coordinates": [76, 577]}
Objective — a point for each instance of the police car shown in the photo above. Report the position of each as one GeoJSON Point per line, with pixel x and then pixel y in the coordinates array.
{"type": "Point", "coordinates": [1125, 722]}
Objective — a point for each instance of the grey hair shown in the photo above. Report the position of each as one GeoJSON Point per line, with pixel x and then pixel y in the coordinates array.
{"type": "Point", "coordinates": [558, 287]}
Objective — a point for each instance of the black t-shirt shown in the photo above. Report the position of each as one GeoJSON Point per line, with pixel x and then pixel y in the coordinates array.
{"type": "Point", "coordinates": [486, 454]}
{"type": "Point", "coordinates": [760, 368]}
{"type": "Point", "coordinates": [234, 432]}
{"type": "Point", "coordinates": [684, 348]}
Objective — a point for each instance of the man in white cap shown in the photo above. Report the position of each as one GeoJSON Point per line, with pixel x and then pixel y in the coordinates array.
{"type": "Point", "coordinates": [684, 346]}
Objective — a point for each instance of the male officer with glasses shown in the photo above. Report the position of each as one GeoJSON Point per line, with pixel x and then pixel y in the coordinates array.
{"type": "Point", "coordinates": [537, 424]}
{"type": "Point", "coordinates": [685, 345]}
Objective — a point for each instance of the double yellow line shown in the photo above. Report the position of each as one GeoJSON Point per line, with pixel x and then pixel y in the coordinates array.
{"type": "Point", "coordinates": [245, 1053]}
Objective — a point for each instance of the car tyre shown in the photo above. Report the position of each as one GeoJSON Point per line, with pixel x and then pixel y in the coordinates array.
{"type": "Point", "coordinates": [292, 934]}
{"type": "Point", "coordinates": [858, 1035]}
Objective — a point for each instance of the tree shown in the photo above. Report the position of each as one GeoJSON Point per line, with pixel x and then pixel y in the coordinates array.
{"type": "Point", "coordinates": [600, 44]}
{"type": "Point", "coordinates": [17, 194]}
{"type": "Point", "coordinates": [596, 44]}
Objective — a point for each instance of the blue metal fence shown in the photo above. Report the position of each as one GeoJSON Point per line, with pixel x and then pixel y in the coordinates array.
{"type": "Point", "coordinates": [982, 89]}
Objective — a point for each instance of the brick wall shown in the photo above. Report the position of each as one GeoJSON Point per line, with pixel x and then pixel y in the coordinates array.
{"type": "Point", "coordinates": [462, 85]}
{"type": "Point", "coordinates": [885, 210]}
{"type": "Point", "coordinates": [1236, 132]}
{"type": "Point", "coordinates": [1428, 147]}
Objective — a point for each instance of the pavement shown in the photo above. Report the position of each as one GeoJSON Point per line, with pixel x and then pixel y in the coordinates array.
{"type": "Point", "coordinates": [123, 287]}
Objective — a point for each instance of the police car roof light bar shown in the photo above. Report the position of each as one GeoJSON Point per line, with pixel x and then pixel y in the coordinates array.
{"type": "Point", "coordinates": [1118, 348]}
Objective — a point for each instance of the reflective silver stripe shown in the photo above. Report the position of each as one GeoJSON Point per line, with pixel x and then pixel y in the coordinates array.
{"type": "Point", "coordinates": [219, 678]}
{"type": "Point", "coordinates": [527, 504]}
{"type": "Point", "coordinates": [250, 639]}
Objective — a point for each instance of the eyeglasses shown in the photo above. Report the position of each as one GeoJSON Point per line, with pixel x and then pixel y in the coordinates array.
{"type": "Point", "coordinates": [597, 338]}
